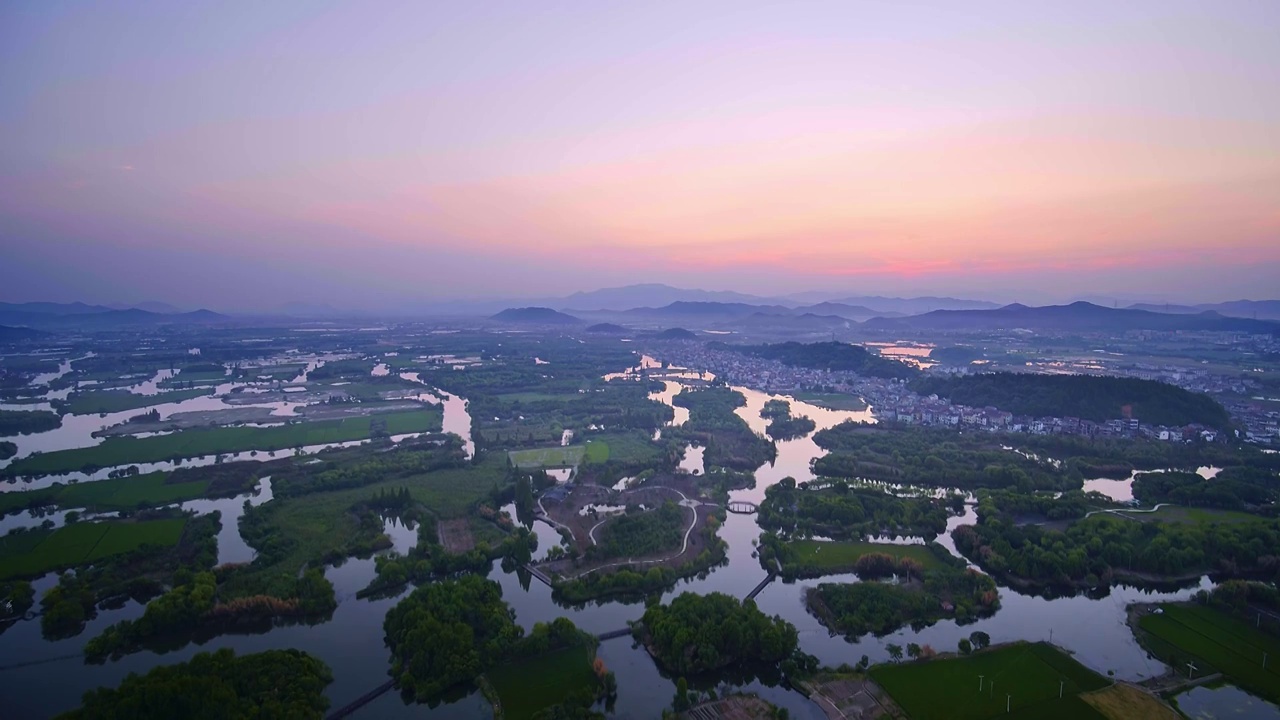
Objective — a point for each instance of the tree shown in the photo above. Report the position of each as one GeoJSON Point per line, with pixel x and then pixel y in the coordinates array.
{"type": "Point", "coordinates": [682, 695]}
{"type": "Point", "coordinates": [966, 647]}
{"type": "Point", "coordinates": [895, 651]}
{"type": "Point", "coordinates": [913, 651]}
{"type": "Point", "coordinates": [979, 639]}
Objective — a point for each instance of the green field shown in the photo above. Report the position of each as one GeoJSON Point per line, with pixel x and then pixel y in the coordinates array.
{"type": "Point", "coordinates": [1219, 643]}
{"type": "Point", "coordinates": [116, 451]}
{"type": "Point", "coordinates": [1182, 514]}
{"type": "Point", "coordinates": [36, 552]}
{"type": "Point", "coordinates": [569, 455]}
{"type": "Point", "coordinates": [1031, 673]}
{"type": "Point", "coordinates": [317, 524]}
{"type": "Point", "coordinates": [118, 494]}
{"type": "Point", "coordinates": [531, 684]}
{"type": "Point", "coordinates": [831, 401]}
{"type": "Point", "coordinates": [597, 452]}
{"type": "Point", "coordinates": [835, 555]}
{"type": "Point", "coordinates": [112, 401]}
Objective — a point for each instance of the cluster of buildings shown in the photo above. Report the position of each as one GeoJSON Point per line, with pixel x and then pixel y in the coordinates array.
{"type": "Point", "coordinates": [892, 401]}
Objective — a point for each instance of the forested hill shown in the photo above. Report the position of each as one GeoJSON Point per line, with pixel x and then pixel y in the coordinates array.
{"type": "Point", "coordinates": [1090, 397]}
{"type": "Point", "coordinates": [830, 356]}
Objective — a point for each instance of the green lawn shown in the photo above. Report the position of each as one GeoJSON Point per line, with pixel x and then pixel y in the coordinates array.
{"type": "Point", "coordinates": [112, 401]}
{"type": "Point", "coordinates": [1218, 642]}
{"type": "Point", "coordinates": [631, 449]}
{"type": "Point", "coordinates": [118, 494]}
{"type": "Point", "coordinates": [36, 552]}
{"type": "Point", "coordinates": [570, 455]}
{"type": "Point", "coordinates": [1031, 673]}
{"type": "Point", "coordinates": [531, 684]}
{"type": "Point", "coordinates": [524, 397]}
{"type": "Point", "coordinates": [199, 442]}
{"type": "Point", "coordinates": [314, 525]}
{"type": "Point", "coordinates": [1183, 514]}
{"type": "Point", "coordinates": [839, 555]}
{"type": "Point", "coordinates": [597, 452]}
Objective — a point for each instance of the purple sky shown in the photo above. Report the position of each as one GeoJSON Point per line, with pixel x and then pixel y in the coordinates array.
{"type": "Point", "coordinates": [244, 155]}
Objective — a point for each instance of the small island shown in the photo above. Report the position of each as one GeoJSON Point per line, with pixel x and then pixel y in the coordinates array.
{"type": "Point", "coordinates": [699, 633]}
{"type": "Point", "coordinates": [782, 424]}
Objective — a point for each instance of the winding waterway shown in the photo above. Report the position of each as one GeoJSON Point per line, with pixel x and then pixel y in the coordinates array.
{"type": "Point", "coordinates": [40, 678]}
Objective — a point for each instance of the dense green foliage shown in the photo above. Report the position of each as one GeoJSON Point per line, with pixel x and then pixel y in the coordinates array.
{"type": "Point", "coordinates": [1039, 671]}
{"type": "Point", "coordinates": [830, 356]}
{"type": "Point", "coordinates": [634, 583]}
{"type": "Point", "coordinates": [698, 633]}
{"type": "Point", "coordinates": [27, 422]}
{"type": "Point", "coordinates": [840, 511]}
{"type": "Point", "coordinates": [447, 633]}
{"type": "Point", "coordinates": [113, 401]}
{"type": "Point", "coordinates": [1232, 489]}
{"type": "Point", "coordinates": [932, 457]}
{"type": "Point", "coordinates": [1090, 552]}
{"type": "Point", "coordinates": [881, 607]}
{"type": "Point", "coordinates": [7, 449]}
{"type": "Point", "coordinates": [200, 442]}
{"type": "Point", "coordinates": [1090, 397]}
{"type": "Point", "coordinates": [135, 491]}
{"type": "Point", "coordinates": [729, 440]}
{"type": "Point", "coordinates": [16, 597]}
{"type": "Point", "coordinates": [217, 686]}
{"type": "Point", "coordinates": [638, 533]}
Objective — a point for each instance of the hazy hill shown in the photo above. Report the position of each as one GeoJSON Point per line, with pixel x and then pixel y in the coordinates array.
{"type": "Point", "coordinates": [852, 312]}
{"type": "Point", "coordinates": [1091, 397]}
{"type": "Point", "coordinates": [535, 316]}
{"type": "Point", "coordinates": [650, 295]}
{"type": "Point", "coordinates": [19, 334]}
{"type": "Point", "coordinates": [1261, 309]}
{"type": "Point", "coordinates": [676, 333]}
{"type": "Point", "coordinates": [916, 305]}
{"type": "Point", "coordinates": [707, 311]}
{"type": "Point", "coordinates": [75, 316]}
{"type": "Point", "coordinates": [1079, 316]}
{"type": "Point", "coordinates": [607, 329]}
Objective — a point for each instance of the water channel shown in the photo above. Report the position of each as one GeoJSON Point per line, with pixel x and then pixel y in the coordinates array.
{"type": "Point", "coordinates": [39, 678]}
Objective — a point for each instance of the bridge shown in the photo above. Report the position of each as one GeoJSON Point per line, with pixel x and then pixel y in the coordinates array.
{"type": "Point", "coordinates": [742, 507]}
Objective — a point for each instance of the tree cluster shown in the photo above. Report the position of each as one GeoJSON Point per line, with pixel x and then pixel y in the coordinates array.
{"type": "Point", "coordinates": [841, 511]}
{"type": "Point", "coordinates": [698, 633]}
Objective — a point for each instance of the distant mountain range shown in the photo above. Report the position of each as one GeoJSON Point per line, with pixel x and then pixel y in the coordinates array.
{"type": "Point", "coordinates": [1079, 316]}
{"type": "Point", "coordinates": [535, 316]}
{"type": "Point", "coordinates": [1255, 309]}
{"type": "Point", "coordinates": [79, 316]}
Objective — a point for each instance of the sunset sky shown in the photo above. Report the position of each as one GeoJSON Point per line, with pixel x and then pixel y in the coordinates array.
{"type": "Point", "coordinates": [243, 155]}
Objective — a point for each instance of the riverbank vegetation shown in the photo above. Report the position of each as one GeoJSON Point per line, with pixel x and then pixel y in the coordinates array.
{"type": "Point", "coordinates": [699, 633]}
{"type": "Point", "coordinates": [921, 598]}
{"type": "Point", "coordinates": [815, 558]}
{"type": "Point", "coordinates": [934, 457]}
{"type": "Point", "coordinates": [729, 440]}
{"type": "Point", "coordinates": [782, 425]}
{"type": "Point", "coordinates": [1098, 398]}
{"type": "Point", "coordinates": [93, 402]}
{"type": "Point", "coordinates": [132, 491]}
{"type": "Point", "coordinates": [1094, 551]}
{"type": "Point", "coordinates": [637, 533]}
{"type": "Point", "coordinates": [28, 422]}
{"type": "Point", "coordinates": [635, 582]}
{"type": "Point", "coordinates": [1034, 680]}
{"type": "Point", "coordinates": [275, 683]}
{"type": "Point", "coordinates": [1232, 489]}
{"type": "Point", "coordinates": [841, 511]}
{"type": "Point", "coordinates": [116, 451]}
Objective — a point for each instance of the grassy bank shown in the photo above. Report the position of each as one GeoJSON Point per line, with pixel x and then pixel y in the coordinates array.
{"type": "Point", "coordinates": [116, 451]}
{"type": "Point", "coordinates": [36, 552]}
{"type": "Point", "coordinates": [1033, 674]}
{"type": "Point", "coordinates": [1217, 642]}
{"type": "Point", "coordinates": [527, 686]}
{"type": "Point", "coordinates": [549, 457]}
{"type": "Point", "coordinates": [113, 401]}
{"type": "Point", "coordinates": [838, 556]}
{"type": "Point", "coordinates": [119, 494]}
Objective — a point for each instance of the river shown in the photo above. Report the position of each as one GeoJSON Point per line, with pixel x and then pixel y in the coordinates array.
{"type": "Point", "coordinates": [39, 678]}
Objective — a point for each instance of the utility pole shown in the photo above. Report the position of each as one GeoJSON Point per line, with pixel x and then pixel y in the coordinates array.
{"type": "Point", "coordinates": [1191, 667]}
{"type": "Point", "coordinates": [1050, 636]}
{"type": "Point", "coordinates": [1008, 701]}
{"type": "Point", "coordinates": [1061, 685]}
{"type": "Point", "coordinates": [1264, 664]}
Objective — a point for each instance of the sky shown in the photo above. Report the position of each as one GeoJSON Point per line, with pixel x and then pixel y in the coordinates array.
{"type": "Point", "coordinates": [379, 154]}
